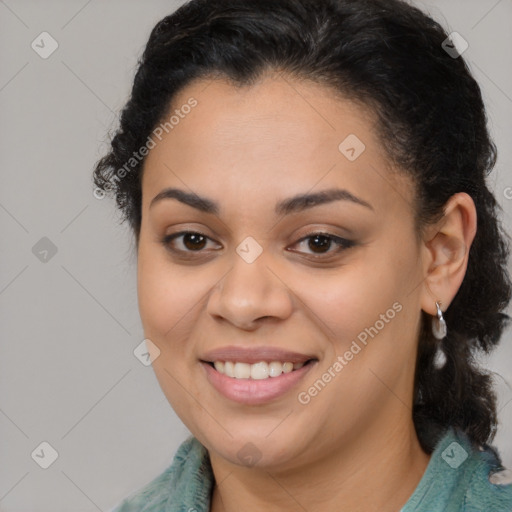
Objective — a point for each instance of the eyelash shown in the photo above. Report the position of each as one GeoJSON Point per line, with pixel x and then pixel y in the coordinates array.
{"type": "Point", "coordinates": [341, 242]}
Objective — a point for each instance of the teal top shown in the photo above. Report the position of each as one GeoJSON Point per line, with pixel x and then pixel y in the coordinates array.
{"type": "Point", "coordinates": [458, 478]}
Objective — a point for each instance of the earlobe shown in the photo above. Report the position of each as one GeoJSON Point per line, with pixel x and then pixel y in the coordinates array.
{"type": "Point", "coordinates": [446, 248]}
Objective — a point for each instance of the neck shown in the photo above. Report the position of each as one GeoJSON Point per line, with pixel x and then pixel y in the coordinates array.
{"type": "Point", "coordinates": [377, 470]}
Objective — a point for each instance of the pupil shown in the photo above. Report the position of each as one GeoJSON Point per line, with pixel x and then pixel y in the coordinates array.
{"type": "Point", "coordinates": [325, 242]}
{"type": "Point", "coordinates": [194, 239]}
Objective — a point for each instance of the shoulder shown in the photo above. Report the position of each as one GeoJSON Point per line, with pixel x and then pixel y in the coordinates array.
{"type": "Point", "coordinates": [462, 477]}
{"type": "Point", "coordinates": [489, 487]}
{"type": "Point", "coordinates": [186, 482]}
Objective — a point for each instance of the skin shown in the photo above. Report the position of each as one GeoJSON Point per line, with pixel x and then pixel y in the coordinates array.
{"type": "Point", "coordinates": [353, 446]}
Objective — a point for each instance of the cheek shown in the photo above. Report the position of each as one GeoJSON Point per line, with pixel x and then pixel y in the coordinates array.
{"type": "Point", "coordinates": [367, 308]}
{"type": "Point", "coordinates": [354, 296]}
{"type": "Point", "coordinates": [169, 305]}
{"type": "Point", "coordinates": [167, 295]}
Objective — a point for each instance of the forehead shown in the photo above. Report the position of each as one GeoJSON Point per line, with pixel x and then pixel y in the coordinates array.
{"type": "Point", "coordinates": [275, 138]}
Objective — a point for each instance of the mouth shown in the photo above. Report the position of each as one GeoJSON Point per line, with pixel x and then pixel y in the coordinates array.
{"type": "Point", "coordinates": [256, 371]}
{"type": "Point", "coordinates": [257, 383]}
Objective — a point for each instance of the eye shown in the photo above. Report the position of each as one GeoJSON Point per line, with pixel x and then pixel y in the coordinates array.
{"type": "Point", "coordinates": [192, 241]}
{"type": "Point", "coordinates": [321, 243]}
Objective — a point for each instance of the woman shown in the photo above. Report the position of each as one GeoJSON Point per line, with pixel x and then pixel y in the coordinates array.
{"type": "Point", "coordinates": [319, 258]}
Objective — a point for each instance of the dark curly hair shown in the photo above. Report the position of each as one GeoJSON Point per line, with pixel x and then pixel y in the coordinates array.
{"type": "Point", "coordinates": [389, 56]}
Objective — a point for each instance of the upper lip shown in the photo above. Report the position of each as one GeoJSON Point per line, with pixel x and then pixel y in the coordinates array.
{"type": "Point", "coordinates": [254, 355]}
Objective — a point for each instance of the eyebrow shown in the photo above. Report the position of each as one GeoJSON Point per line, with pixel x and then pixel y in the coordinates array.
{"type": "Point", "coordinates": [293, 204]}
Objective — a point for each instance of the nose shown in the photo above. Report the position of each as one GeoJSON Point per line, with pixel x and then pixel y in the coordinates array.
{"type": "Point", "coordinates": [249, 294]}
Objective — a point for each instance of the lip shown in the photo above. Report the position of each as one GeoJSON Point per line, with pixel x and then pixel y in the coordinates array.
{"type": "Point", "coordinates": [254, 355]}
{"type": "Point", "coordinates": [255, 391]}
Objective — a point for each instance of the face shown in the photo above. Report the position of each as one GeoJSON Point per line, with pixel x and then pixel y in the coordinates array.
{"type": "Point", "coordinates": [251, 274]}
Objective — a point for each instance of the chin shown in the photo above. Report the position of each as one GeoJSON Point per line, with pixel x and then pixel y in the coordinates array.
{"type": "Point", "coordinates": [260, 451]}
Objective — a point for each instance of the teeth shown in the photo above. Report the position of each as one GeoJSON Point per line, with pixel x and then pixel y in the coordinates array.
{"type": "Point", "coordinates": [242, 370]}
{"type": "Point", "coordinates": [229, 369]}
{"type": "Point", "coordinates": [275, 368]}
{"type": "Point", "coordinates": [257, 371]}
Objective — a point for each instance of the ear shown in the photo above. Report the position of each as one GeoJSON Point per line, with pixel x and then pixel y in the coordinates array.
{"type": "Point", "coordinates": [445, 252]}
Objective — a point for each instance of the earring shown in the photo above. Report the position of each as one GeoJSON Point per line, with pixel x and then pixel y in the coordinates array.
{"type": "Point", "coordinates": [439, 330]}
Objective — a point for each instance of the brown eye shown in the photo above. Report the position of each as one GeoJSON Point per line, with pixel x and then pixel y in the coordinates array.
{"type": "Point", "coordinates": [194, 241]}
{"type": "Point", "coordinates": [318, 243]}
{"type": "Point", "coordinates": [185, 241]}
{"type": "Point", "coordinates": [321, 243]}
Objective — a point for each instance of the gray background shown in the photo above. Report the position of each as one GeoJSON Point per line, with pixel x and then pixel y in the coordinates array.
{"type": "Point", "coordinates": [69, 325]}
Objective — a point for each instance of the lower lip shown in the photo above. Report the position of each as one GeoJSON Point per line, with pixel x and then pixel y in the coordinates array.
{"type": "Point", "coordinates": [255, 391]}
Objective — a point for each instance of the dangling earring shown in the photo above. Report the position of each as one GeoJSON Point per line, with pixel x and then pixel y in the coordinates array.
{"type": "Point", "coordinates": [439, 324]}
{"type": "Point", "coordinates": [439, 330]}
